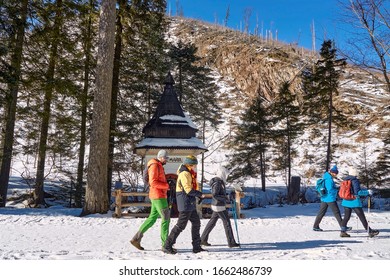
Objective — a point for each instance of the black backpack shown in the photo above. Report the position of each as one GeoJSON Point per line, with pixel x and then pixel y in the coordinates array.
{"type": "Point", "coordinates": [145, 176]}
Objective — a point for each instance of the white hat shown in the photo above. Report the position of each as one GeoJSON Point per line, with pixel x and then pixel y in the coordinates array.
{"type": "Point", "coordinates": [162, 154]}
{"type": "Point", "coordinates": [222, 173]}
{"type": "Point", "coordinates": [352, 171]}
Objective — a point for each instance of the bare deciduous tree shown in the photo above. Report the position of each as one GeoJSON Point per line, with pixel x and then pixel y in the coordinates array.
{"type": "Point", "coordinates": [227, 16]}
{"type": "Point", "coordinates": [370, 41]}
{"type": "Point", "coordinates": [247, 16]}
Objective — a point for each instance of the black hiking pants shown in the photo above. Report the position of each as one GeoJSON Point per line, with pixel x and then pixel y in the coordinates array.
{"type": "Point", "coordinates": [181, 224]}
{"type": "Point", "coordinates": [224, 216]}
{"type": "Point", "coordinates": [359, 212]}
{"type": "Point", "coordinates": [323, 208]}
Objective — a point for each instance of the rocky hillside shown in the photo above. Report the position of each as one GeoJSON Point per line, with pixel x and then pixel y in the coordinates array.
{"type": "Point", "coordinates": [248, 65]}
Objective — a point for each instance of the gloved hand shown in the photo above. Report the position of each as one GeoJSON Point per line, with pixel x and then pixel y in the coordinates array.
{"type": "Point", "coordinates": [370, 192]}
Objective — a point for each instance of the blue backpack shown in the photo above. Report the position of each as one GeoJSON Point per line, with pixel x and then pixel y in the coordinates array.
{"type": "Point", "coordinates": [320, 187]}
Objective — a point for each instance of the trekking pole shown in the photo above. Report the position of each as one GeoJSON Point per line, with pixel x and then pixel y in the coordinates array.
{"type": "Point", "coordinates": [235, 220]}
{"type": "Point", "coordinates": [368, 215]}
{"type": "Point", "coordinates": [357, 223]}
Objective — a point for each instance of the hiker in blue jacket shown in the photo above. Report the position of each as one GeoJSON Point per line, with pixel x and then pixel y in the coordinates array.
{"type": "Point", "coordinates": [355, 205]}
{"type": "Point", "coordinates": [329, 199]}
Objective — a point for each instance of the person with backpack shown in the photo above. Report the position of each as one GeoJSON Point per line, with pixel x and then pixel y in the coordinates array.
{"type": "Point", "coordinates": [218, 206]}
{"type": "Point", "coordinates": [328, 199]}
{"type": "Point", "coordinates": [187, 190]}
{"type": "Point", "coordinates": [158, 188]}
{"type": "Point", "coordinates": [355, 204]}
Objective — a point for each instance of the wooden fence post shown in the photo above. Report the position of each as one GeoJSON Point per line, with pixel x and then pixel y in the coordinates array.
{"type": "Point", "coordinates": [238, 204]}
{"type": "Point", "coordinates": [118, 203]}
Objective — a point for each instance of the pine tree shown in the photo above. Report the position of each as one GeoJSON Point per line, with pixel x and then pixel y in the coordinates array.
{"type": "Point", "coordinates": [143, 67]}
{"type": "Point", "coordinates": [287, 115]}
{"type": "Point", "coordinates": [251, 142]}
{"type": "Point", "coordinates": [197, 89]}
{"type": "Point", "coordinates": [183, 57]}
{"type": "Point", "coordinates": [202, 104]}
{"type": "Point", "coordinates": [320, 86]}
{"type": "Point", "coordinates": [51, 69]}
{"type": "Point", "coordinates": [48, 89]}
{"type": "Point", "coordinates": [17, 12]}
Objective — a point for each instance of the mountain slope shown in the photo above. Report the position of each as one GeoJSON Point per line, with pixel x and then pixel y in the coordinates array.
{"type": "Point", "coordinates": [246, 65]}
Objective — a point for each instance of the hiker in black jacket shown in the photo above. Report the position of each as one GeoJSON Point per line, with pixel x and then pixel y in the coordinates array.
{"type": "Point", "coordinates": [218, 205]}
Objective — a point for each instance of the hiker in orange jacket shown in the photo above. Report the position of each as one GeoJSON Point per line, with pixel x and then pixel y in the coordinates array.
{"type": "Point", "coordinates": [158, 197]}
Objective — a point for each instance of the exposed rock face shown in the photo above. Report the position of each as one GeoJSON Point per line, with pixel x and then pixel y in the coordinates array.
{"type": "Point", "coordinates": [256, 66]}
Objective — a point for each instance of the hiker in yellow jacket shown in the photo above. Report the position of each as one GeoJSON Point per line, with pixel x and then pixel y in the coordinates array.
{"type": "Point", "coordinates": [187, 190]}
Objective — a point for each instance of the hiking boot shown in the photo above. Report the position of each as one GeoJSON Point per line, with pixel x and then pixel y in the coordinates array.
{"type": "Point", "coordinates": [317, 229]}
{"type": "Point", "coordinates": [373, 232]}
{"type": "Point", "coordinates": [136, 241]}
{"type": "Point", "coordinates": [233, 245]}
{"type": "Point", "coordinates": [205, 243]}
{"type": "Point", "coordinates": [173, 249]}
{"type": "Point", "coordinates": [346, 228]}
{"type": "Point", "coordinates": [344, 234]}
{"type": "Point", "coordinates": [198, 250]}
{"type": "Point", "coordinates": [137, 244]}
{"type": "Point", "coordinates": [169, 250]}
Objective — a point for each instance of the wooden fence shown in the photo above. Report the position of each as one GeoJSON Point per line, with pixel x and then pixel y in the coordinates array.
{"type": "Point", "coordinates": [121, 198]}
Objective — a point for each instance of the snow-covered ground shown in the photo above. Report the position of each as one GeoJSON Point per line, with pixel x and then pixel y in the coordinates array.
{"type": "Point", "coordinates": [273, 235]}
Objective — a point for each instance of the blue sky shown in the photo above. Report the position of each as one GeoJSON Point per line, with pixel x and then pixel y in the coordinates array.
{"type": "Point", "coordinates": [292, 19]}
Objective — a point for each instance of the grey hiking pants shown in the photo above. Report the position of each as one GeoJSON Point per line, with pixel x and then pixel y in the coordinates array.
{"type": "Point", "coordinates": [323, 208]}
{"type": "Point", "coordinates": [359, 212]}
{"type": "Point", "coordinates": [224, 216]}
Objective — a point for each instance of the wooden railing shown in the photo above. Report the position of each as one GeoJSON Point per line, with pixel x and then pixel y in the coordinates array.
{"type": "Point", "coordinates": [120, 194]}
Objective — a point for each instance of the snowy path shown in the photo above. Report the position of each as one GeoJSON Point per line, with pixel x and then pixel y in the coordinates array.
{"type": "Point", "coordinates": [272, 233]}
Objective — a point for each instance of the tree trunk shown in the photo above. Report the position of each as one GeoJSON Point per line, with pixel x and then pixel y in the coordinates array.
{"type": "Point", "coordinates": [288, 156]}
{"type": "Point", "coordinates": [115, 91]}
{"type": "Point", "coordinates": [96, 197]}
{"type": "Point", "coordinates": [49, 88]}
{"type": "Point", "coordinates": [84, 105]}
{"type": "Point", "coordinates": [10, 106]}
{"type": "Point", "coordinates": [204, 141]}
{"type": "Point", "coordinates": [328, 152]}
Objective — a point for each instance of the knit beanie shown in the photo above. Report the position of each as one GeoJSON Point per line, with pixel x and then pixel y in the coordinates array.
{"type": "Point", "coordinates": [190, 160]}
{"type": "Point", "coordinates": [334, 169]}
{"type": "Point", "coordinates": [162, 154]}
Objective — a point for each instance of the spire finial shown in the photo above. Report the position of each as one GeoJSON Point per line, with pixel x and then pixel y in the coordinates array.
{"type": "Point", "coordinates": [169, 79]}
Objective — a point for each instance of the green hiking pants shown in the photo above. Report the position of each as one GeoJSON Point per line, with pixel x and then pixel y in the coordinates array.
{"type": "Point", "coordinates": [159, 209]}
